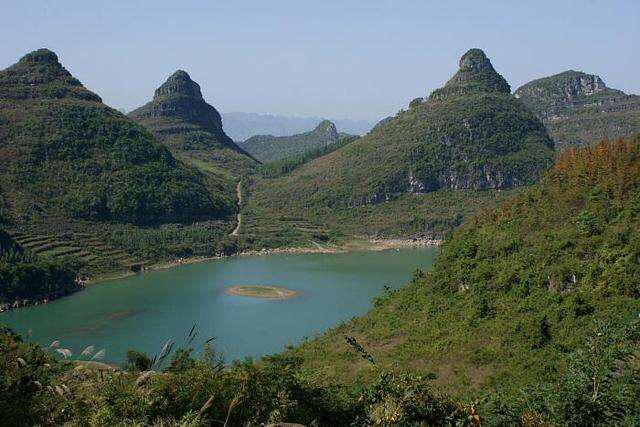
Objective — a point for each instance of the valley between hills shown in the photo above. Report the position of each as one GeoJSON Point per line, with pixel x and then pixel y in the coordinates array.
{"type": "Point", "coordinates": [529, 315]}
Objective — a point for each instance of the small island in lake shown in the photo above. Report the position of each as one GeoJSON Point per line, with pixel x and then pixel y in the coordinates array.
{"type": "Point", "coordinates": [262, 291]}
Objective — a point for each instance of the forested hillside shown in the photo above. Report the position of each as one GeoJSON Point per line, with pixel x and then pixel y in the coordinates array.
{"type": "Point", "coordinates": [66, 153]}
{"type": "Point", "coordinates": [419, 172]}
{"type": "Point", "coordinates": [516, 290]}
{"type": "Point", "coordinates": [81, 179]}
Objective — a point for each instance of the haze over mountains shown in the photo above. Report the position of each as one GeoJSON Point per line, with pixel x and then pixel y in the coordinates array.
{"type": "Point", "coordinates": [241, 126]}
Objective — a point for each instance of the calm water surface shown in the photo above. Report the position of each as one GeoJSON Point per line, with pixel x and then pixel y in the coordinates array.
{"type": "Point", "coordinates": [145, 310]}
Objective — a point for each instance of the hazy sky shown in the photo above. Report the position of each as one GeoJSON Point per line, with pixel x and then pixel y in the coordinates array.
{"type": "Point", "coordinates": [332, 58]}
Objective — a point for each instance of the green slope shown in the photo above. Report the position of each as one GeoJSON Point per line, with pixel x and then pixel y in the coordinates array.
{"type": "Point", "coordinates": [578, 108]}
{"type": "Point", "coordinates": [268, 148]}
{"type": "Point", "coordinates": [80, 179]}
{"type": "Point", "coordinates": [24, 276]}
{"type": "Point", "coordinates": [471, 135]}
{"type": "Point", "coordinates": [515, 290]}
{"type": "Point", "coordinates": [66, 153]}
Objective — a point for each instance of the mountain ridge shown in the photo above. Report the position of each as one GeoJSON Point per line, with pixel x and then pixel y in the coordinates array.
{"type": "Point", "coordinates": [269, 148]}
{"type": "Point", "coordinates": [579, 108]}
{"type": "Point", "coordinates": [472, 138]}
{"type": "Point", "coordinates": [76, 155]}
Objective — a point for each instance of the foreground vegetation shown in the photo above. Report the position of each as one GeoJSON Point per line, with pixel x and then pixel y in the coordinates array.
{"type": "Point", "coordinates": [516, 290]}
{"type": "Point", "coordinates": [529, 317]}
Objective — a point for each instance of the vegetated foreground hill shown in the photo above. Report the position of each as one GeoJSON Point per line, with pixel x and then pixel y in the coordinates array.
{"type": "Point", "coordinates": [578, 108]}
{"type": "Point", "coordinates": [269, 148]}
{"type": "Point", "coordinates": [515, 290]}
{"type": "Point", "coordinates": [241, 126]}
{"type": "Point", "coordinates": [79, 178]}
{"type": "Point", "coordinates": [180, 118]}
{"type": "Point", "coordinates": [470, 136]}
{"type": "Point", "coordinates": [537, 300]}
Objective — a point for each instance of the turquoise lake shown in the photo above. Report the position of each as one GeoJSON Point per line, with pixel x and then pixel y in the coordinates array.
{"type": "Point", "coordinates": [146, 310]}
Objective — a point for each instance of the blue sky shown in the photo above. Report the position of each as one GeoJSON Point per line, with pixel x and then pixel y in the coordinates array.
{"type": "Point", "coordinates": [358, 59]}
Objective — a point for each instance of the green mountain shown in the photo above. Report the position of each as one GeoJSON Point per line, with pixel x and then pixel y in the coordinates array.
{"type": "Point", "coordinates": [470, 136]}
{"type": "Point", "coordinates": [516, 293]}
{"type": "Point", "coordinates": [66, 153]}
{"type": "Point", "coordinates": [269, 148]}
{"type": "Point", "coordinates": [181, 119]}
{"type": "Point", "coordinates": [579, 108]}
{"type": "Point", "coordinates": [81, 179]}
{"type": "Point", "coordinates": [291, 162]}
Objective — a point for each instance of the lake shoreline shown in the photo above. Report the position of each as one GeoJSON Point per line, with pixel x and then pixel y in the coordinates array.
{"type": "Point", "coordinates": [350, 246]}
{"type": "Point", "coordinates": [357, 244]}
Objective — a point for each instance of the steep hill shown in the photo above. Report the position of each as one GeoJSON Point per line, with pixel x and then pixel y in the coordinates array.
{"type": "Point", "coordinates": [181, 119]}
{"type": "Point", "coordinates": [81, 179]}
{"type": "Point", "coordinates": [471, 135]}
{"type": "Point", "coordinates": [515, 290]}
{"type": "Point", "coordinates": [66, 153]}
{"type": "Point", "coordinates": [269, 148]}
{"type": "Point", "coordinates": [579, 108]}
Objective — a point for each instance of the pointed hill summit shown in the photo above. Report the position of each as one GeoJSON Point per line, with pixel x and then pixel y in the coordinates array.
{"type": "Point", "coordinates": [579, 108]}
{"type": "Point", "coordinates": [39, 75]}
{"type": "Point", "coordinates": [268, 148]}
{"type": "Point", "coordinates": [181, 119]}
{"type": "Point", "coordinates": [470, 135]}
{"type": "Point", "coordinates": [65, 153]}
{"type": "Point", "coordinates": [475, 75]}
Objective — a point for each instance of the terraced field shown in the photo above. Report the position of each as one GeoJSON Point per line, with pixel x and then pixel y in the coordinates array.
{"type": "Point", "coordinates": [90, 250]}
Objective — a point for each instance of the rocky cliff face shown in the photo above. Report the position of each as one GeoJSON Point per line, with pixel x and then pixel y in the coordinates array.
{"type": "Point", "coordinates": [179, 98]}
{"type": "Point", "coordinates": [180, 117]}
{"type": "Point", "coordinates": [472, 119]}
{"type": "Point", "coordinates": [577, 107]}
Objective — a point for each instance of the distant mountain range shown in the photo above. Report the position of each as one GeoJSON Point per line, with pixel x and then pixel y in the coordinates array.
{"type": "Point", "coordinates": [241, 126]}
